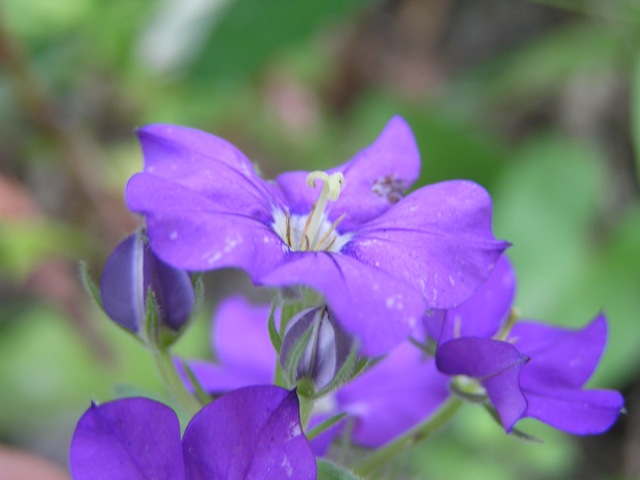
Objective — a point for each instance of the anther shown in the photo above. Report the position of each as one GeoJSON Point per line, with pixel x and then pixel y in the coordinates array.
{"type": "Point", "coordinates": [288, 227]}
{"type": "Point", "coordinates": [331, 184]}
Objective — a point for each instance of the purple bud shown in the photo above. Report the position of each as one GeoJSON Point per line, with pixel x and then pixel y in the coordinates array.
{"type": "Point", "coordinates": [130, 272]}
{"type": "Point", "coordinates": [326, 350]}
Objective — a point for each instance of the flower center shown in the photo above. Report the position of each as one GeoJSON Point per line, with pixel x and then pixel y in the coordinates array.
{"type": "Point", "coordinates": [313, 232]}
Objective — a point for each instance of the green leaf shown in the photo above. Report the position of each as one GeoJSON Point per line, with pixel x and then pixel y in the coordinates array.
{"type": "Point", "coordinates": [24, 245]}
{"type": "Point", "coordinates": [330, 471]}
{"type": "Point", "coordinates": [250, 33]}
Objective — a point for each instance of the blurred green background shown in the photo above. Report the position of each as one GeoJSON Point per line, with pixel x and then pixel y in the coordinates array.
{"type": "Point", "coordinates": [537, 101]}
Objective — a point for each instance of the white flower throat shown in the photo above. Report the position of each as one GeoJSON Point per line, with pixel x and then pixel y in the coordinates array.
{"type": "Point", "coordinates": [313, 232]}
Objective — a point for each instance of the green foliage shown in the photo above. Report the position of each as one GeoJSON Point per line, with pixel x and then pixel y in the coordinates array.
{"type": "Point", "coordinates": [26, 244]}
{"type": "Point", "coordinates": [251, 33]}
{"type": "Point", "coordinates": [330, 471]}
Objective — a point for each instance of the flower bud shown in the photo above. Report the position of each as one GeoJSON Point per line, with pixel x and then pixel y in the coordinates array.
{"type": "Point", "coordinates": [314, 347]}
{"type": "Point", "coordinates": [130, 273]}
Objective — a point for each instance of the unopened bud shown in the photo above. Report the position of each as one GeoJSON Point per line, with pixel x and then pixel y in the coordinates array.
{"type": "Point", "coordinates": [130, 273]}
{"type": "Point", "coordinates": [314, 347]}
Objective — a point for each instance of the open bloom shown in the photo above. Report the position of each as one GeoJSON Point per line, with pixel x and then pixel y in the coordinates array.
{"type": "Point", "coordinates": [379, 259]}
{"type": "Point", "coordinates": [529, 369]}
{"type": "Point", "coordinates": [249, 434]}
{"type": "Point", "coordinates": [389, 398]}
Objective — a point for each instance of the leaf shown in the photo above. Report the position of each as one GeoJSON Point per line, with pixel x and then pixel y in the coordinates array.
{"type": "Point", "coordinates": [251, 33]}
{"type": "Point", "coordinates": [330, 471]}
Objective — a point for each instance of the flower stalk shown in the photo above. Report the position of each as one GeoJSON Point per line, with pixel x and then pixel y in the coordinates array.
{"type": "Point", "coordinates": [410, 439]}
{"type": "Point", "coordinates": [173, 382]}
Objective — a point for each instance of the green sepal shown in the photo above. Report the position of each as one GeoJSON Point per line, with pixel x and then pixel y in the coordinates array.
{"type": "Point", "coordinates": [89, 285]}
{"type": "Point", "coordinates": [152, 321]}
{"type": "Point", "coordinates": [351, 367]}
{"type": "Point", "coordinates": [164, 336]}
{"type": "Point", "coordinates": [467, 395]}
{"type": "Point", "coordinates": [198, 290]}
{"type": "Point", "coordinates": [519, 434]}
{"type": "Point", "coordinates": [276, 340]}
{"type": "Point", "coordinates": [200, 393]}
{"type": "Point", "coordinates": [93, 291]}
{"type": "Point", "coordinates": [330, 471]}
{"type": "Point", "coordinates": [293, 359]}
{"type": "Point", "coordinates": [429, 348]}
{"type": "Point", "coordinates": [288, 310]}
{"type": "Point", "coordinates": [324, 426]}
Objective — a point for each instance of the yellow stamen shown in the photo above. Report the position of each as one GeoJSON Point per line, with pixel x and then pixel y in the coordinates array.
{"type": "Point", "coordinates": [307, 226]}
{"type": "Point", "coordinates": [288, 227]}
{"type": "Point", "coordinates": [326, 236]}
{"type": "Point", "coordinates": [504, 332]}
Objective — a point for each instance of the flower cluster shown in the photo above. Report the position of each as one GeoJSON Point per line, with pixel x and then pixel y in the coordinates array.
{"type": "Point", "coordinates": [526, 369]}
{"type": "Point", "coordinates": [390, 308]}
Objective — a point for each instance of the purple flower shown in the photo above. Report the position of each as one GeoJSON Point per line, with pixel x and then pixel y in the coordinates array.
{"type": "Point", "coordinates": [130, 273]}
{"type": "Point", "coordinates": [391, 397]}
{"type": "Point", "coordinates": [379, 259]}
{"type": "Point", "coordinates": [252, 433]}
{"type": "Point", "coordinates": [537, 371]}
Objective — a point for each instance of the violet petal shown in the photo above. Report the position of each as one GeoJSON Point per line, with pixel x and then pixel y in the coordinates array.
{"type": "Point", "coordinates": [240, 338]}
{"type": "Point", "coordinates": [200, 232]}
{"type": "Point", "coordinates": [496, 364]}
{"type": "Point", "coordinates": [438, 239]}
{"type": "Point", "coordinates": [206, 164]}
{"type": "Point", "coordinates": [122, 284]}
{"type": "Point", "coordinates": [216, 378]}
{"type": "Point", "coordinates": [375, 178]}
{"type": "Point", "coordinates": [393, 396]}
{"type": "Point", "coordinates": [253, 433]}
{"type": "Point", "coordinates": [173, 289]}
{"type": "Point", "coordinates": [560, 357]}
{"type": "Point", "coordinates": [127, 439]}
{"type": "Point", "coordinates": [580, 412]}
{"type": "Point", "coordinates": [484, 312]}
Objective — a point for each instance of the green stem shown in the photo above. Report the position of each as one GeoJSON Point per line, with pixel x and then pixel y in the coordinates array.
{"type": "Point", "coordinates": [414, 436]}
{"type": "Point", "coordinates": [173, 382]}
